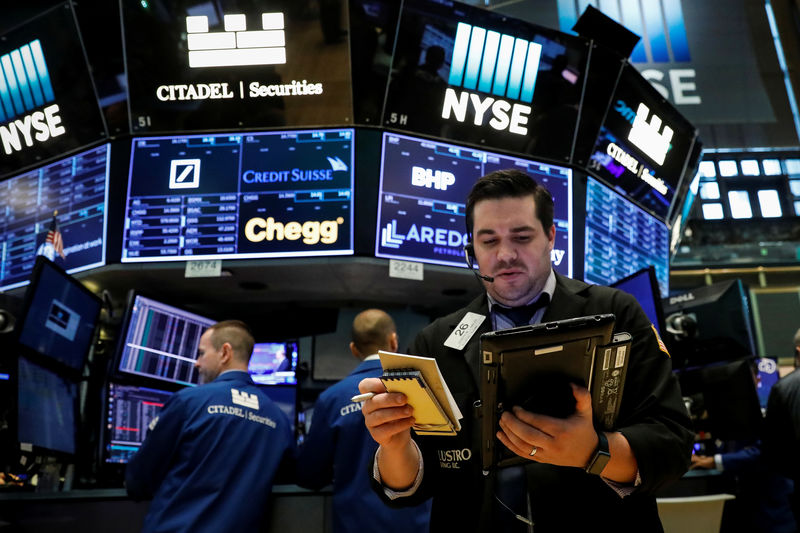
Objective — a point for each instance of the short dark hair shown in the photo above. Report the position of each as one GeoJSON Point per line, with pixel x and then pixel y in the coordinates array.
{"type": "Point", "coordinates": [237, 334]}
{"type": "Point", "coordinates": [510, 183]}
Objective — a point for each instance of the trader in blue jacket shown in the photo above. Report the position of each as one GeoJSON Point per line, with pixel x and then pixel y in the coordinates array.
{"type": "Point", "coordinates": [338, 447]}
{"type": "Point", "coordinates": [210, 459]}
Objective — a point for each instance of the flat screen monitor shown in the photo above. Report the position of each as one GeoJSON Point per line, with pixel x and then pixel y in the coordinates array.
{"type": "Point", "coordinates": [709, 324]}
{"type": "Point", "coordinates": [423, 193]}
{"type": "Point", "coordinates": [226, 196]}
{"type": "Point", "coordinates": [643, 145]}
{"type": "Point", "coordinates": [46, 410]}
{"type": "Point", "coordinates": [274, 363]}
{"type": "Point", "coordinates": [48, 103]}
{"type": "Point", "coordinates": [285, 396]}
{"type": "Point", "coordinates": [160, 341]}
{"type": "Point", "coordinates": [477, 76]}
{"type": "Point", "coordinates": [59, 317]}
{"type": "Point", "coordinates": [725, 400]}
{"type": "Point", "coordinates": [622, 238]}
{"type": "Point", "coordinates": [129, 411]}
{"type": "Point", "coordinates": [223, 65]}
{"type": "Point", "coordinates": [59, 211]}
{"type": "Point", "coordinates": [643, 285]}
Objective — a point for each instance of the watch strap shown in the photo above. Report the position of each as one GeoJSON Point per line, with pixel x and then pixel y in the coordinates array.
{"type": "Point", "coordinates": [600, 456]}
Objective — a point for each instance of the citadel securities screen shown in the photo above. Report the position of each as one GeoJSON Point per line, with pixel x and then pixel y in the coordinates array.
{"type": "Point", "coordinates": [621, 239]}
{"type": "Point", "coordinates": [643, 145]}
{"type": "Point", "coordinates": [277, 194]}
{"type": "Point", "coordinates": [423, 192]}
{"type": "Point", "coordinates": [233, 64]}
{"type": "Point", "coordinates": [76, 188]}
{"type": "Point", "coordinates": [48, 104]}
{"type": "Point", "coordinates": [495, 81]}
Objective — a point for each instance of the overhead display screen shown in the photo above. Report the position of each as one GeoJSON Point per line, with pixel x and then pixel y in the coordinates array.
{"type": "Point", "coordinates": [48, 104]}
{"type": "Point", "coordinates": [423, 194]}
{"type": "Point", "coordinates": [58, 211]}
{"type": "Point", "coordinates": [227, 65]}
{"type": "Point", "coordinates": [495, 81]}
{"type": "Point", "coordinates": [643, 144]}
{"type": "Point", "coordinates": [278, 194]}
{"type": "Point", "coordinates": [622, 239]}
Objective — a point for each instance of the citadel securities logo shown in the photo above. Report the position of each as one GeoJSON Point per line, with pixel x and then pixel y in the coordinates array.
{"type": "Point", "coordinates": [184, 174]}
{"type": "Point", "coordinates": [244, 399]}
{"type": "Point", "coordinates": [660, 23]}
{"type": "Point", "coordinates": [496, 64]}
{"type": "Point", "coordinates": [236, 47]}
{"type": "Point", "coordinates": [25, 89]}
{"type": "Point", "coordinates": [647, 135]}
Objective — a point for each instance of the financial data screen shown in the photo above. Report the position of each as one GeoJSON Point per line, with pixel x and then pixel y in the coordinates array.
{"type": "Point", "coordinates": [161, 341]}
{"type": "Point", "coordinates": [279, 194]}
{"type": "Point", "coordinates": [622, 238]}
{"type": "Point", "coordinates": [423, 193]}
{"type": "Point", "coordinates": [72, 195]}
{"type": "Point", "coordinates": [129, 411]}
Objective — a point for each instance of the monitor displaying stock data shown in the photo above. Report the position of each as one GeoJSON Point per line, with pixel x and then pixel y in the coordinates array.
{"type": "Point", "coordinates": [622, 238]}
{"type": "Point", "coordinates": [276, 194]}
{"type": "Point", "coordinates": [160, 341]}
{"type": "Point", "coordinates": [68, 197]}
{"type": "Point", "coordinates": [129, 411]}
{"type": "Point", "coordinates": [423, 193]}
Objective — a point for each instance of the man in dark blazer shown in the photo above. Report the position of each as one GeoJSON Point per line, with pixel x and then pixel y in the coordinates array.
{"type": "Point", "coordinates": [577, 478]}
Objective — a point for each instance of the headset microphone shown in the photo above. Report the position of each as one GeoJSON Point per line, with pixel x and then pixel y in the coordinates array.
{"type": "Point", "coordinates": [467, 253]}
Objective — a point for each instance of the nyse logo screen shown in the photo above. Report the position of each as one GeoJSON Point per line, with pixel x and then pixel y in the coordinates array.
{"type": "Point", "coordinates": [277, 194]}
{"type": "Point", "coordinates": [467, 74]}
{"type": "Point", "coordinates": [423, 191]}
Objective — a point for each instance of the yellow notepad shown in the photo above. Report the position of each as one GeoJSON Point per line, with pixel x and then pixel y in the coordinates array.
{"type": "Point", "coordinates": [419, 378]}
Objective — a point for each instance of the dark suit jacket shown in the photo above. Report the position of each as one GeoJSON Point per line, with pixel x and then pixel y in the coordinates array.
{"type": "Point", "coordinates": [652, 417]}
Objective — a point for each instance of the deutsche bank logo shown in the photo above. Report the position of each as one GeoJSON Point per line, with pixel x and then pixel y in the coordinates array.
{"type": "Point", "coordinates": [236, 46]}
{"type": "Point", "coordinates": [494, 63]}
{"type": "Point", "coordinates": [659, 23]}
{"type": "Point", "coordinates": [184, 174]}
{"type": "Point", "coordinates": [24, 81]}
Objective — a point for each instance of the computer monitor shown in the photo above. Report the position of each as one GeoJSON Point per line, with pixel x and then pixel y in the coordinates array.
{"type": "Point", "coordinates": [46, 410]}
{"type": "Point", "coordinates": [59, 318]}
{"type": "Point", "coordinates": [129, 411]}
{"type": "Point", "coordinates": [423, 193]}
{"type": "Point", "coordinates": [274, 363]}
{"type": "Point", "coordinates": [725, 400]}
{"type": "Point", "coordinates": [643, 285]}
{"type": "Point", "coordinates": [240, 196]}
{"type": "Point", "coordinates": [621, 238]}
{"type": "Point", "coordinates": [59, 210]}
{"type": "Point", "coordinates": [709, 324]}
{"type": "Point", "coordinates": [160, 341]}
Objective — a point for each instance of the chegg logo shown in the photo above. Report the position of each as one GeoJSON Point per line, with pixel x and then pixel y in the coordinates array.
{"type": "Point", "coordinates": [259, 229]}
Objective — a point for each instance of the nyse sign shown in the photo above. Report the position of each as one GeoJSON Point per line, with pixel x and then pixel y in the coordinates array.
{"type": "Point", "coordinates": [676, 84]}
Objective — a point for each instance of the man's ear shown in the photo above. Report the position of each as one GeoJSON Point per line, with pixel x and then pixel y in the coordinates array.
{"type": "Point", "coordinates": [227, 353]}
{"type": "Point", "coordinates": [393, 342]}
{"type": "Point", "coordinates": [355, 352]}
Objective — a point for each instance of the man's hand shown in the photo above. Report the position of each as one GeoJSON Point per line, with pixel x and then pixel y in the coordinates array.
{"type": "Point", "coordinates": [387, 415]}
{"type": "Point", "coordinates": [564, 442]}
{"type": "Point", "coordinates": [702, 461]}
{"type": "Point", "coordinates": [388, 418]}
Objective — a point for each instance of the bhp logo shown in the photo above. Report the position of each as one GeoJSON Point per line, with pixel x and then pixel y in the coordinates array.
{"type": "Point", "coordinates": [494, 63]}
{"type": "Point", "coordinates": [24, 81]}
{"type": "Point", "coordinates": [659, 23]}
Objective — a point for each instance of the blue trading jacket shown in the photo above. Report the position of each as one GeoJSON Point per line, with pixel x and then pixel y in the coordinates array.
{"type": "Point", "coordinates": [339, 449]}
{"type": "Point", "coordinates": [209, 462]}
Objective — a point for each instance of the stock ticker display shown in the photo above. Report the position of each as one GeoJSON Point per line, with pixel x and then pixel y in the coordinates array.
{"type": "Point", "coordinates": [76, 189]}
{"type": "Point", "coordinates": [423, 191]}
{"type": "Point", "coordinates": [278, 194]}
{"type": "Point", "coordinates": [161, 341]}
{"type": "Point", "coordinates": [129, 411]}
{"type": "Point", "coordinates": [622, 238]}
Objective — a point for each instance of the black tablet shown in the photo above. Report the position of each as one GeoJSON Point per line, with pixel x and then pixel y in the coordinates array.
{"type": "Point", "coordinates": [533, 366]}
